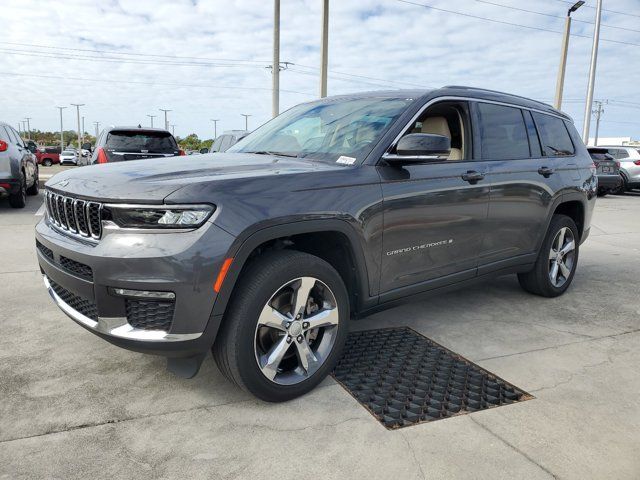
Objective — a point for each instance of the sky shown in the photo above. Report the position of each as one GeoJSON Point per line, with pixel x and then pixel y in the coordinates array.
{"type": "Point", "coordinates": [209, 59]}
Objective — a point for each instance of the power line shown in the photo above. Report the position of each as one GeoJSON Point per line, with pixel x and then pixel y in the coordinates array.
{"type": "Point", "coordinates": [554, 16]}
{"type": "Point", "coordinates": [503, 22]}
{"type": "Point", "coordinates": [567, 2]}
{"type": "Point", "coordinates": [133, 82]}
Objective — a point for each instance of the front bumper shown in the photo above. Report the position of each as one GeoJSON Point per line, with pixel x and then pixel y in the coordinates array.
{"type": "Point", "coordinates": [83, 277]}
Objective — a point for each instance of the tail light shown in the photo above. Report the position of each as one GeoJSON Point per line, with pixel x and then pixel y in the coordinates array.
{"type": "Point", "coordinates": [636, 162]}
{"type": "Point", "coordinates": [6, 186]}
{"type": "Point", "coordinates": [182, 153]}
{"type": "Point", "coordinates": [102, 156]}
{"type": "Point", "coordinates": [3, 146]}
{"type": "Point", "coordinates": [618, 164]}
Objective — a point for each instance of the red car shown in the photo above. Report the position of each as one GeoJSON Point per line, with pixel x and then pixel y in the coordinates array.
{"type": "Point", "coordinates": [47, 156]}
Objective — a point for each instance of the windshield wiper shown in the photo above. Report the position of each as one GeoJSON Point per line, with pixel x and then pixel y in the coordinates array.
{"type": "Point", "coordinates": [277, 154]}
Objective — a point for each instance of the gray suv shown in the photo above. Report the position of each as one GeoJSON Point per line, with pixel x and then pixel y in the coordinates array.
{"type": "Point", "coordinates": [333, 210]}
{"type": "Point", "coordinates": [18, 167]}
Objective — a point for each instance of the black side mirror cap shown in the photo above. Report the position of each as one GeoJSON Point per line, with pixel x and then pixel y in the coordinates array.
{"type": "Point", "coordinates": [420, 148]}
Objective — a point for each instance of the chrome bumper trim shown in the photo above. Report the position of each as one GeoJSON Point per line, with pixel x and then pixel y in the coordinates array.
{"type": "Point", "coordinates": [117, 326]}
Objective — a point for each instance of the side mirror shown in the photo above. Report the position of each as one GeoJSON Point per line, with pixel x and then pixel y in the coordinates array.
{"type": "Point", "coordinates": [420, 148]}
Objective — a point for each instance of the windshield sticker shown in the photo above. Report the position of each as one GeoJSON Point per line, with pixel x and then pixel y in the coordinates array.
{"type": "Point", "coordinates": [346, 160]}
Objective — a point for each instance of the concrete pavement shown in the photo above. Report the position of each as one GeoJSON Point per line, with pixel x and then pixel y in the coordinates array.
{"type": "Point", "coordinates": [73, 406]}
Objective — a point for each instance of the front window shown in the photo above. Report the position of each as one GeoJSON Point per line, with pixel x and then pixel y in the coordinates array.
{"type": "Point", "coordinates": [326, 130]}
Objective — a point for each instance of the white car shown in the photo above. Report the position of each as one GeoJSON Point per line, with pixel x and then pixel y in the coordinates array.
{"type": "Point", "coordinates": [629, 158]}
{"type": "Point", "coordinates": [69, 157]}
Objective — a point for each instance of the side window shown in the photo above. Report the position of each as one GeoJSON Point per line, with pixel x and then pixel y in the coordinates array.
{"type": "Point", "coordinates": [534, 139]}
{"type": "Point", "coordinates": [16, 137]}
{"type": "Point", "coordinates": [622, 153]}
{"type": "Point", "coordinates": [503, 134]}
{"type": "Point", "coordinates": [4, 134]}
{"type": "Point", "coordinates": [554, 135]}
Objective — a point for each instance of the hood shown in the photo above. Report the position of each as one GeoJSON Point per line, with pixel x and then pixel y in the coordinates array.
{"type": "Point", "coordinates": [152, 180]}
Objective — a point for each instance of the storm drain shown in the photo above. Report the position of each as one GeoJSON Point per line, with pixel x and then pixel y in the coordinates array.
{"type": "Point", "coordinates": [404, 378]}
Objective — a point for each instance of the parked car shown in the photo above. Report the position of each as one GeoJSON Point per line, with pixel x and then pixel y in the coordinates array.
{"type": "Point", "coordinates": [335, 209]}
{"type": "Point", "coordinates": [69, 157]}
{"type": "Point", "coordinates": [607, 169]}
{"type": "Point", "coordinates": [48, 156]}
{"type": "Point", "coordinates": [117, 144]}
{"type": "Point", "coordinates": [227, 140]}
{"type": "Point", "coordinates": [629, 158]}
{"type": "Point", "coordinates": [18, 168]}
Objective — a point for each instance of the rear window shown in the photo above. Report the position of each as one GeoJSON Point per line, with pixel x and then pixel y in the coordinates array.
{"type": "Point", "coordinates": [503, 133]}
{"type": "Point", "coordinates": [554, 135]}
{"type": "Point", "coordinates": [145, 142]}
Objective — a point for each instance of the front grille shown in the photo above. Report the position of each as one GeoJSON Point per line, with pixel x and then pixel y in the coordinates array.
{"type": "Point", "coordinates": [77, 268]}
{"type": "Point", "coordinates": [47, 252]}
{"type": "Point", "coordinates": [149, 314]}
{"type": "Point", "coordinates": [76, 216]}
{"type": "Point", "coordinates": [79, 304]}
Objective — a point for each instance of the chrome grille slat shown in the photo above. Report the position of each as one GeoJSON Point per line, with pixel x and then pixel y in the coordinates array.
{"type": "Point", "coordinates": [78, 217]}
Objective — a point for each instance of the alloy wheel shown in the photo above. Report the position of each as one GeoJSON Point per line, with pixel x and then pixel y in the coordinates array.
{"type": "Point", "coordinates": [296, 331]}
{"type": "Point", "coordinates": [562, 257]}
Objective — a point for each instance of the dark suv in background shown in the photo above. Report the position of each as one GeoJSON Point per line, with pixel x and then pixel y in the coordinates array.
{"type": "Point", "coordinates": [118, 144]}
{"type": "Point", "coordinates": [331, 211]}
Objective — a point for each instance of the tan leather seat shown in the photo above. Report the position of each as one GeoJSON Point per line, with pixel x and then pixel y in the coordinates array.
{"type": "Point", "coordinates": [439, 126]}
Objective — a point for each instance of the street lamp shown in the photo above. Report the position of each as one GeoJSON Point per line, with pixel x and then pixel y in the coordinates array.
{"type": "Point", "coordinates": [324, 49]}
{"type": "Point", "coordinates": [61, 131]}
{"type": "Point", "coordinates": [78, 105]}
{"type": "Point", "coordinates": [592, 74]}
{"type": "Point", "coordinates": [246, 121]}
{"type": "Point", "coordinates": [28, 128]}
{"type": "Point", "coordinates": [152, 117]}
{"type": "Point", "coordinates": [215, 127]}
{"type": "Point", "coordinates": [97, 124]}
{"type": "Point", "coordinates": [563, 54]}
{"type": "Point", "coordinates": [166, 122]}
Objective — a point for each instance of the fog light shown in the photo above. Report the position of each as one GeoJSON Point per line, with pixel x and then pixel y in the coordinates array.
{"type": "Point", "coordinates": [124, 292]}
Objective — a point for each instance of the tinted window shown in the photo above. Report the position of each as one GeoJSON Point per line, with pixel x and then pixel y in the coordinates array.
{"type": "Point", "coordinates": [4, 135]}
{"type": "Point", "coordinates": [503, 133]}
{"type": "Point", "coordinates": [136, 141]}
{"type": "Point", "coordinates": [13, 136]}
{"type": "Point", "coordinates": [554, 135]}
{"type": "Point", "coordinates": [534, 139]}
{"type": "Point", "coordinates": [621, 153]}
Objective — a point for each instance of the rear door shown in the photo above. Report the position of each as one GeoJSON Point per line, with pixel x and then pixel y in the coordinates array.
{"type": "Point", "coordinates": [123, 145]}
{"type": "Point", "coordinates": [24, 156]}
{"type": "Point", "coordinates": [524, 183]}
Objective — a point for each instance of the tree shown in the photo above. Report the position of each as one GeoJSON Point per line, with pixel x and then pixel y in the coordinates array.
{"type": "Point", "coordinates": [190, 142]}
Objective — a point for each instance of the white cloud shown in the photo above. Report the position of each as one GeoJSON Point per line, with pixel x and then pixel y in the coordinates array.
{"type": "Point", "coordinates": [381, 39]}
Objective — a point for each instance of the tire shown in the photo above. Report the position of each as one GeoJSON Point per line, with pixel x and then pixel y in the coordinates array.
{"type": "Point", "coordinates": [539, 280]}
{"type": "Point", "coordinates": [47, 162]}
{"type": "Point", "coordinates": [19, 199]}
{"type": "Point", "coordinates": [35, 188]}
{"type": "Point", "coordinates": [602, 193]}
{"type": "Point", "coordinates": [622, 188]}
{"type": "Point", "coordinates": [244, 340]}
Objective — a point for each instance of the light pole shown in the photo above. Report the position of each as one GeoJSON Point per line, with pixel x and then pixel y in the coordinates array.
{"type": "Point", "coordinates": [563, 54]}
{"type": "Point", "coordinates": [324, 49]}
{"type": "Point", "coordinates": [215, 127]}
{"type": "Point", "coordinates": [592, 74]}
{"type": "Point", "coordinates": [78, 105]}
{"type": "Point", "coordinates": [61, 131]}
{"type": "Point", "coordinates": [246, 121]}
{"type": "Point", "coordinates": [97, 124]}
{"type": "Point", "coordinates": [24, 126]}
{"type": "Point", "coordinates": [166, 122]}
{"type": "Point", "coordinates": [152, 117]}
{"type": "Point", "coordinates": [275, 67]}
{"type": "Point", "coordinates": [598, 113]}
{"type": "Point", "coordinates": [28, 128]}
{"type": "Point", "coordinates": [83, 129]}
{"type": "Point", "coordinates": [173, 130]}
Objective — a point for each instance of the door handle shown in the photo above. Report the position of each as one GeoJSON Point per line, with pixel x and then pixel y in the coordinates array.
{"type": "Point", "coordinates": [546, 172]}
{"type": "Point", "coordinates": [472, 176]}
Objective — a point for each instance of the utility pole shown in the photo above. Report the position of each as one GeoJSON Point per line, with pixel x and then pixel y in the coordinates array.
{"type": "Point", "coordinates": [598, 113]}
{"type": "Point", "coordinates": [152, 117]}
{"type": "Point", "coordinates": [166, 122]}
{"type": "Point", "coordinates": [78, 105]}
{"type": "Point", "coordinates": [97, 124]}
{"type": "Point", "coordinates": [173, 130]}
{"type": "Point", "coordinates": [24, 126]}
{"type": "Point", "coordinates": [563, 54]}
{"type": "Point", "coordinates": [83, 129]}
{"type": "Point", "coordinates": [28, 128]}
{"type": "Point", "coordinates": [592, 74]}
{"type": "Point", "coordinates": [324, 49]}
{"type": "Point", "coordinates": [215, 127]}
{"type": "Point", "coordinates": [61, 131]}
{"type": "Point", "coordinates": [275, 67]}
{"type": "Point", "coordinates": [246, 121]}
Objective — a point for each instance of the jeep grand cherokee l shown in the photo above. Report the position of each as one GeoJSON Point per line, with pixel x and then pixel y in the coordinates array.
{"type": "Point", "coordinates": [331, 211]}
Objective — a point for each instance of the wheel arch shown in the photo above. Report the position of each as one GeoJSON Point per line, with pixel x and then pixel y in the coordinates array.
{"type": "Point", "coordinates": [333, 240]}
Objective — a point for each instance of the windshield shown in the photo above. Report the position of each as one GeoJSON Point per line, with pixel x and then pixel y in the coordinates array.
{"type": "Point", "coordinates": [326, 130]}
{"type": "Point", "coordinates": [69, 152]}
{"type": "Point", "coordinates": [136, 141]}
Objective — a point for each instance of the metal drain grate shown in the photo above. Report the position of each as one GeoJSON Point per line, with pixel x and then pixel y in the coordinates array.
{"type": "Point", "coordinates": [404, 378]}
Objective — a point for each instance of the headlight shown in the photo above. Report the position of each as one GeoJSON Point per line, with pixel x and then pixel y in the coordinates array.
{"type": "Point", "coordinates": [187, 216]}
